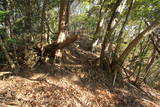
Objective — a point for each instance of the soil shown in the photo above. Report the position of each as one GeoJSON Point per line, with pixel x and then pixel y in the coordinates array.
{"type": "Point", "coordinates": [77, 82]}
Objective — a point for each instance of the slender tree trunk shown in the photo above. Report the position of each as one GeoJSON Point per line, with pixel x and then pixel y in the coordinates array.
{"type": "Point", "coordinates": [149, 64]}
{"type": "Point", "coordinates": [10, 60]}
{"type": "Point", "coordinates": [140, 36]}
{"type": "Point", "coordinates": [119, 7]}
{"type": "Point", "coordinates": [48, 33]}
{"type": "Point", "coordinates": [123, 26]}
{"type": "Point", "coordinates": [42, 27]}
{"type": "Point", "coordinates": [62, 20]}
{"type": "Point", "coordinates": [153, 39]}
{"type": "Point", "coordinates": [28, 12]}
{"type": "Point", "coordinates": [100, 21]}
{"type": "Point", "coordinates": [67, 15]}
{"type": "Point", "coordinates": [155, 44]}
{"type": "Point", "coordinates": [98, 27]}
{"type": "Point", "coordinates": [63, 17]}
{"type": "Point", "coordinates": [142, 51]}
{"type": "Point", "coordinates": [7, 22]}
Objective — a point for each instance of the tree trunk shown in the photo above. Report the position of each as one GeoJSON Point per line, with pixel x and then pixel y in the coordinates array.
{"type": "Point", "coordinates": [63, 17]}
{"type": "Point", "coordinates": [28, 25]}
{"type": "Point", "coordinates": [42, 27]}
{"type": "Point", "coordinates": [10, 61]}
{"type": "Point", "coordinates": [50, 49]}
{"type": "Point", "coordinates": [123, 26]}
{"type": "Point", "coordinates": [67, 14]}
{"type": "Point", "coordinates": [7, 22]}
{"type": "Point", "coordinates": [149, 64]}
{"type": "Point", "coordinates": [98, 27]}
{"type": "Point", "coordinates": [140, 36]}
{"type": "Point", "coordinates": [119, 6]}
{"type": "Point", "coordinates": [153, 39]}
{"type": "Point", "coordinates": [62, 20]}
{"type": "Point", "coordinates": [100, 21]}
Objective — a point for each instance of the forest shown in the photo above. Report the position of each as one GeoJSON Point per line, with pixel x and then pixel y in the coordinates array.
{"type": "Point", "coordinates": [79, 53]}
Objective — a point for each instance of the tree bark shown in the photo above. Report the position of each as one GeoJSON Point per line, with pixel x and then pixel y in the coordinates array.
{"type": "Point", "coordinates": [42, 27]}
{"type": "Point", "coordinates": [153, 39]}
{"type": "Point", "coordinates": [62, 20]}
{"type": "Point", "coordinates": [7, 21]}
{"type": "Point", "coordinates": [98, 27]}
{"type": "Point", "coordinates": [123, 26]}
{"type": "Point", "coordinates": [149, 64]}
{"type": "Point", "coordinates": [69, 2]}
{"type": "Point", "coordinates": [140, 36]}
{"type": "Point", "coordinates": [100, 19]}
{"type": "Point", "coordinates": [51, 49]}
{"type": "Point", "coordinates": [28, 8]}
{"type": "Point", "coordinates": [63, 17]}
{"type": "Point", "coordinates": [10, 60]}
{"type": "Point", "coordinates": [119, 6]}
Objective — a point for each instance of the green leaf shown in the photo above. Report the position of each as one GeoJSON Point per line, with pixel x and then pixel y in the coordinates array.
{"type": "Point", "coordinates": [2, 13]}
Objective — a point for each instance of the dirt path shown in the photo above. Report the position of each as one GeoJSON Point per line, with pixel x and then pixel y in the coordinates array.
{"type": "Point", "coordinates": [68, 91]}
{"type": "Point", "coordinates": [72, 84]}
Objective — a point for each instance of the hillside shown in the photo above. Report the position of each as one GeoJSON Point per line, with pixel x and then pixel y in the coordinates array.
{"type": "Point", "coordinates": [76, 82]}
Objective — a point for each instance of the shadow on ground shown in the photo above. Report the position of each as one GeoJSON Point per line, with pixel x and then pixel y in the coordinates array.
{"type": "Point", "coordinates": [77, 82]}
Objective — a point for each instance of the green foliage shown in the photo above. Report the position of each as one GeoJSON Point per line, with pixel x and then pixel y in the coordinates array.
{"type": "Point", "coordinates": [85, 21]}
{"type": "Point", "coordinates": [79, 18]}
{"type": "Point", "coordinates": [146, 8]}
{"type": "Point", "coordinates": [109, 4]}
{"type": "Point", "coordinates": [2, 16]}
{"type": "Point", "coordinates": [53, 37]}
{"type": "Point", "coordinates": [2, 32]}
{"type": "Point", "coordinates": [54, 3]}
{"type": "Point", "coordinates": [85, 1]}
{"type": "Point", "coordinates": [52, 19]}
{"type": "Point", "coordinates": [14, 41]}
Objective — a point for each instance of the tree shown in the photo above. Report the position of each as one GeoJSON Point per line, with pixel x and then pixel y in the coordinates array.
{"type": "Point", "coordinates": [62, 20]}
{"type": "Point", "coordinates": [119, 6]}
{"type": "Point", "coordinates": [132, 44]}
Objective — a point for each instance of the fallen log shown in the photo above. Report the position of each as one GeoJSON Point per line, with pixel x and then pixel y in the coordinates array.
{"type": "Point", "coordinates": [50, 50]}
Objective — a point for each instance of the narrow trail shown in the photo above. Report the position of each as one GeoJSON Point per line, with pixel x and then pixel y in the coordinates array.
{"type": "Point", "coordinates": [73, 83]}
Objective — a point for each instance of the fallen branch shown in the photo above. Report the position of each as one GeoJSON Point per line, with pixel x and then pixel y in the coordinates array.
{"type": "Point", "coordinates": [50, 49]}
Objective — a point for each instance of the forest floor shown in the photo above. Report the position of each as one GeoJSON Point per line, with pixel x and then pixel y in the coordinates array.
{"type": "Point", "coordinates": [73, 83]}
